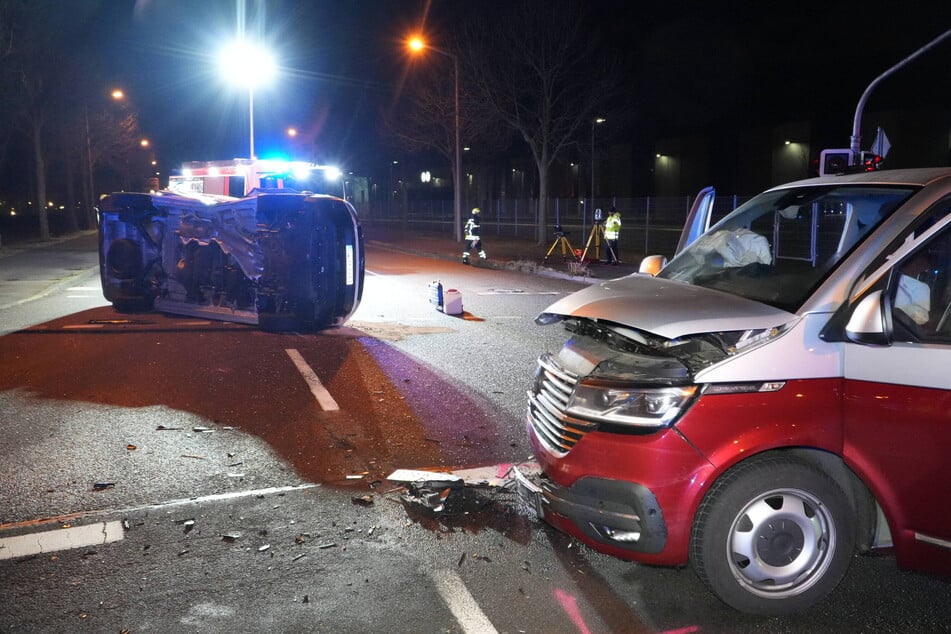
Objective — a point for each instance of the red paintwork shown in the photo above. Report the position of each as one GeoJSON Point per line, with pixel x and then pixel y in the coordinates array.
{"type": "Point", "coordinates": [898, 440]}
{"type": "Point", "coordinates": [679, 464]}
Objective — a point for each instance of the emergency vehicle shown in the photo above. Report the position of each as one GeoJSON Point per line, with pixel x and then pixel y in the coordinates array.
{"type": "Point", "coordinates": [238, 177]}
{"type": "Point", "coordinates": [770, 402]}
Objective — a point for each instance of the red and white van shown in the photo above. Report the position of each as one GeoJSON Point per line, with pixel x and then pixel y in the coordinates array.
{"type": "Point", "coordinates": [776, 398]}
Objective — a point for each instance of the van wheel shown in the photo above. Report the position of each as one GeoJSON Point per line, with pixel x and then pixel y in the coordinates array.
{"type": "Point", "coordinates": [773, 536]}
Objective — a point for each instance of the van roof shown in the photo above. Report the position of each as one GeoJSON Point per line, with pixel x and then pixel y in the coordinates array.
{"type": "Point", "coordinates": [917, 176]}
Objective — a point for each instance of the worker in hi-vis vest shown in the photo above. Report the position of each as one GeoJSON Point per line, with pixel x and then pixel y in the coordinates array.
{"type": "Point", "coordinates": [612, 233]}
{"type": "Point", "coordinates": [473, 236]}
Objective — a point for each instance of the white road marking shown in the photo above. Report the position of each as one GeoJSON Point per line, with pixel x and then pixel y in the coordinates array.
{"type": "Point", "coordinates": [457, 598]}
{"type": "Point", "coordinates": [517, 292]}
{"type": "Point", "coordinates": [62, 539]}
{"type": "Point", "coordinates": [326, 401]}
{"type": "Point", "coordinates": [105, 532]}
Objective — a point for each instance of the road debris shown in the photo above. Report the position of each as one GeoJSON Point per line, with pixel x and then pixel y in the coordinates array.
{"type": "Point", "coordinates": [261, 549]}
{"type": "Point", "coordinates": [131, 447]}
{"type": "Point", "coordinates": [431, 488]}
{"type": "Point", "coordinates": [202, 430]}
{"type": "Point", "coordinates": [363, 500]}
{"type": "Point", "coordinates": [230, 537]}
{"type": "Point", "coordinates": [102, 486]}
{"type": "Point", "coordinates": [186, 455]}
{"type": "Point", "coordinates": [164, 428]}
{"type": "Point", "coordinates": [327, 545]}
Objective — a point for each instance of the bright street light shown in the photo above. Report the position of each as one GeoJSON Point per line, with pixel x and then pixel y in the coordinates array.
{"type": "Point", "coordinates": [247, 65]}
{"type": "Point", "coordinates": [416, 44]}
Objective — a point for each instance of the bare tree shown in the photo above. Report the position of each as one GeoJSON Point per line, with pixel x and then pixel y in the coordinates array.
{"type": "Point", "coordinates": [533, 64]}
{"type": "Point", "coordinates": [423, 119]}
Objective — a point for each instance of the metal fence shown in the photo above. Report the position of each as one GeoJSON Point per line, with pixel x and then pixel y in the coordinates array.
{"type": "Point", "coordinates": [650, 224]}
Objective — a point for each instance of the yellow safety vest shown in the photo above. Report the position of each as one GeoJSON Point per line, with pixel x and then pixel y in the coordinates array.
{"type": "Point", "coordinates": [612, 227]}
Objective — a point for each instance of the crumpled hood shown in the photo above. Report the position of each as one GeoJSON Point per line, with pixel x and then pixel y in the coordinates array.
{"type": "Point", "coordinates": [665, 308]}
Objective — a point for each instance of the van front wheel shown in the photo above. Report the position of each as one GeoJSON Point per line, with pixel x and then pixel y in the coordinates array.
{"type": "Point", "coordinates": [773, 536]}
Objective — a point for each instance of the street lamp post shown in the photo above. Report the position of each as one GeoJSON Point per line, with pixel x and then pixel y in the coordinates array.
{"type": "Point", "coordinates": [594, 122]}
{"type": "Point", "coordinates": [417, 44]}
{"type": "Point", "coordinates": [248, 65]}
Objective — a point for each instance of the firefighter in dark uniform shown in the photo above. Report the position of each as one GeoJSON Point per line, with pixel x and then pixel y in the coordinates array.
{"type": "Point", "coordinates": [473, 236]}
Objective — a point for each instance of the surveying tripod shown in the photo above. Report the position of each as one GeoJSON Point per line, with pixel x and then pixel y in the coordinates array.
{"type": "Point", "coordinates": [597, 236]}
{"type": "Point", "coordinates": [561, 239]}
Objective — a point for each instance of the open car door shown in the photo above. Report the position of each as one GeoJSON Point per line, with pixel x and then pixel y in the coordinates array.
{"type": "Point", "coordinates": [698, 220]}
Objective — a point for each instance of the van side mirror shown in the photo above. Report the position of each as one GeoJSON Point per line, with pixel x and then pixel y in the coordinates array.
{"type": "Point", "coordinates": [870, 322]}
{"type": "Point", "coordinates": [652, 264]}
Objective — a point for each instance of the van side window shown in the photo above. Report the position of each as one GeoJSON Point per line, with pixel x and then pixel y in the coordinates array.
{"type": "Point", "coordinates": [922, 294]}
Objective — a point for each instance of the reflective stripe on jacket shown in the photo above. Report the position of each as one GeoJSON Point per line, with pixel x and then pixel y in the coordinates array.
{"type": "Point", "coordinates": [473, 228]}
{"type": "Point", "coordinates": [612, 228]}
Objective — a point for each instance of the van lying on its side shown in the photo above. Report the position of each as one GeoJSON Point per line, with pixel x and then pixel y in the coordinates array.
{"type": "Point", "coordinates": [278, 258]}
{"type": "Point", "coordinates": [776, 398]}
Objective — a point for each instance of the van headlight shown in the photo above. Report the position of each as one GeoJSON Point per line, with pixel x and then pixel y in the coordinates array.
{"type": "Point", "coordinates": [633, 406]}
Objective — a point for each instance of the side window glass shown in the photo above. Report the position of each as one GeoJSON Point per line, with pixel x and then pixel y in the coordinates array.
{"type": "Point", "coordinates": [922, 294]}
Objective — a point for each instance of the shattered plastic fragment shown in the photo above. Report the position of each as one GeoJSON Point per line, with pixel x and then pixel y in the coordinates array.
{"type": "Point", "coordinates": [131, 447]}
{"type": "Point", "coordinates": [434, 479]}
{"type": "Point", "coordinates": [230, 537]}
{"type": "Point", "coordinates": [327, 545]}
{"type": "Point", "coordinates": [261, 549]}
{"type": "Point", "coordinates": [363, 500]}
{"type": "Point", "coordinates": [102, 486]}
{"type": "Point", "coordinates": [164, 428]}
{"type": "Point", "coordinates": [202, 430]}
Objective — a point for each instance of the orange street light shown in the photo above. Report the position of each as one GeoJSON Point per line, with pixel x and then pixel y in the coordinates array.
{"type": "Point", "coordinates": [417, 44]}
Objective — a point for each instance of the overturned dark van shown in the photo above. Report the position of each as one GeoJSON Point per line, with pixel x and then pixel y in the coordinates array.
{"type": "Point", "coordinates": [277, 258]}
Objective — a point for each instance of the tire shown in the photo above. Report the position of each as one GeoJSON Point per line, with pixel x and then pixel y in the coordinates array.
{"type": "Point", "coordinates": [773, 536]}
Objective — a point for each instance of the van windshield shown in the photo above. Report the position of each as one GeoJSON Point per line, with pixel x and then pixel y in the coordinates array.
{"type": "Point", "coordinates": [778, 247]}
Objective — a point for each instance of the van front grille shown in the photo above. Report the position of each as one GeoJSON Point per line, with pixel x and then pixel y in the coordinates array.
{"type": "Point", "coordinates": [547, 402]}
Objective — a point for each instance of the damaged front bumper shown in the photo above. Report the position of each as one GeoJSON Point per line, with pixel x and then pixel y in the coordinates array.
{"type": "Point", "coordinates": [623, 515]}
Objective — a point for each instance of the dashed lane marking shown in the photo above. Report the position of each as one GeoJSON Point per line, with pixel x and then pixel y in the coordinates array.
{"type": "Point", "coordinates": [105, 532]}
{"type": "Point", "coordinates": [62, 539]}
{"type": "Point", "coordinates": [326, 401]}
{"type": "Point", "coordinates": [462, 605]}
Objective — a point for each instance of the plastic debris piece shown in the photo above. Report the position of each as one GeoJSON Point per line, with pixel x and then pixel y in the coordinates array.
{"type": "Point", "coordinates": [363, 500]}
{"type": "Point", "coordinates": [327, 545]}
{"type": "Point", "coordinates": [306, 599]}
{"type": "Point", "coordinates": [164, 428]}
{"type": "Point", "coordinates": [434, 479]}
{"type": "Point", "coordinates": [202, 430]}
{"type": "Point", "coordinates": [185, 455]}
{"type": "Point", "coordinates": [300, 556]}
{"type": "Point", "coordinates": [102, 486]}
{"type": "Point", "coordinates": [131, 447]}
{"type": "Point", "coordinates": [424, 496]}
{"type": "Point", "coordinates": [230, 537]}
{"type": "Point", "coordinates": [462, 558]}
{"type": "Point", "coordinates": [261, 549]}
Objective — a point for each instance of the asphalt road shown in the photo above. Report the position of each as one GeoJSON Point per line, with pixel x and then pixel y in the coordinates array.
{"type": "Point", "coordinates": [223, 496]}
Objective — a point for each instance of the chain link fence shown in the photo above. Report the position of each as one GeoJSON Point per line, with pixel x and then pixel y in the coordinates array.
{"type": "Point", "coordinates": [651, 224]}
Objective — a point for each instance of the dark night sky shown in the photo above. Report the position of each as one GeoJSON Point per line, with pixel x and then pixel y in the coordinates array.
{"type": "Point", "coordinates": [691, 66]}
